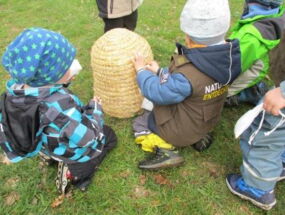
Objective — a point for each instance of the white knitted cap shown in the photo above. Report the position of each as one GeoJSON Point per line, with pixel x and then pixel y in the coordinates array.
{"type": "Point", "coordinates": [206, 21]}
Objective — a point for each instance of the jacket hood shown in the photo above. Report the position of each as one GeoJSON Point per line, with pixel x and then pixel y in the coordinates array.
{"type": "Point", "coordinates": [220, 62]}
{"type": "Point", "coordinates": [20, 110]}
{"type": "Point", "coordinates": [259, 16]}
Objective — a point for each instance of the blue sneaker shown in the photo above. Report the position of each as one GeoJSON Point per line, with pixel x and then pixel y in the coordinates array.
{"type": "Point", "coordinates": [260, 198]}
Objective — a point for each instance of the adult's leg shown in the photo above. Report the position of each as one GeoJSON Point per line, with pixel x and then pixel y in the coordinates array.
{"type": "Point", "coordinates": [130, 21]}
{"type": "Point", "coordinates": [113, 23]}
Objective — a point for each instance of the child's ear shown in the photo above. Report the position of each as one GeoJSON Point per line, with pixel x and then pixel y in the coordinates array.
{"type": "Point", "coordinates": [65, 79]}
{"type": "Point", "coordinates": [187, 40]}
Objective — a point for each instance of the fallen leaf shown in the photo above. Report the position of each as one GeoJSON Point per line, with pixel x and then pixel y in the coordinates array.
{"type": "Point", "coordinates": [11, 198]}
{"type": "Point", "coordinates": [159, 179]}
{"type": "Point", "coordinates": [125, 174]}
{"type": "Point", "coordinates": [58, 201]}
{"type": "Point", "coordinates": [4, 159]}
{"type": "Point", "coordinates": [155, 203]}
{"type": "Point", "coordinates": [214, 169]}
{"type": "Point", "coordinates": [142, 179]}
{"type": "Point", "coordinates": [184, 173]}
{"type": "Point", "coordinates": [140, 192]}
{"type": "Point", "coordinates": [69, 194]}
{"type": "Point", "coordinates": [35, 201]}
{"type": "Point", "coordinates": [12, 182]}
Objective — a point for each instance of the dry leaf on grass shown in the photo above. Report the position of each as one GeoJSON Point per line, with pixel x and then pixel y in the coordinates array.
{"type": "Point", "coordinates": [59, 200]}
{"type": "Point", "coordinates": [35, 201]}
{"type": "Point", "coordinates": [161, 180]}
{"type": "Point", "coordinates": [4, 159]}
{"type": "Point", "coordinates": [140, 192]}
{"type": "Point", "coordinates": [142, 179]}
{"type": "Point", "coordinates": [214, 169]}
{"type": "Point", "coordinates": [11, 198]}
{"type": "Point", "coordinates": [185, 173]}
{"type": "Point", "coordinates": [125, 174]}
{"type": "Point", "coordinates": [155, 203]}
{"type": "Point", "coordinates": [12, 182]}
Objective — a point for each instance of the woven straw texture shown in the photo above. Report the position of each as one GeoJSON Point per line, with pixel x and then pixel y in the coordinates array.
{"type": "Point", "coordinates": [114, 73]}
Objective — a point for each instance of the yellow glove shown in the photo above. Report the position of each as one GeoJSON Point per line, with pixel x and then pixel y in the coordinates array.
{"type": "Point", "coordinates": [150, 141]}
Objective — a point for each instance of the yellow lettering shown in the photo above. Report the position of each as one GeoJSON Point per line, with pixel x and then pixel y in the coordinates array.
{"type": "Point", "coordinates": [215, 93]}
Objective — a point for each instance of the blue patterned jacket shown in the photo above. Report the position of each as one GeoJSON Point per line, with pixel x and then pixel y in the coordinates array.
{"type": "Point", "coordinates": [51, 120]}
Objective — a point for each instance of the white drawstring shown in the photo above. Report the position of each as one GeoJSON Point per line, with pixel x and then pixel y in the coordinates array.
{"type": "Point", "coordinates": [252, 136]}
{"type": "Point", "coordinates": [231, 63]}
{"type": "Point", "coordinates": [281, 122]}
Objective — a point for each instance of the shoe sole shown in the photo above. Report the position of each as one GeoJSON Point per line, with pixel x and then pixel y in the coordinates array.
{"type": "Point", "coordinates": [61, 185]}
{"type": "Point", "coordinates": [256, 203]}
{"type": "Point", "coordinates": [177, 162]}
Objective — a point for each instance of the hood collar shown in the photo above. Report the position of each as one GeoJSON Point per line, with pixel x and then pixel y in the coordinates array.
{"type": "Point", "coordinates": [220, 62]}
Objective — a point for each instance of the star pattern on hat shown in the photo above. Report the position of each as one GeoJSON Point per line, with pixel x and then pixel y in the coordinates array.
{"type": "Point", "coordinates": [38, 57]}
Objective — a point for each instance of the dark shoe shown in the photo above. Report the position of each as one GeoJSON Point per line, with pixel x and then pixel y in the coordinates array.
{"type": "Point", "coordinates": [260, 89]}
{"type": "Point", "coordinates": [47, 160]}
{"type": "Point", "coordinates": [63, 178]}
{"type": "Point", "coordinates": [232, 101]}
{"type": "Point", "coordinates": [260, 198]}
{"type": "Point", "coordinates": [251, 95]}
{"type": "Point", "coordinates": [204, 143]}
{"type": "Point", "coordinates": [162, 158]}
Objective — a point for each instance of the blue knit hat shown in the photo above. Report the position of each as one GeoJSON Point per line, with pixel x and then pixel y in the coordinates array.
{"type": "Point", "coordinates": [38, 57]}
{"type": "Point", "coordinates": [267, 3]}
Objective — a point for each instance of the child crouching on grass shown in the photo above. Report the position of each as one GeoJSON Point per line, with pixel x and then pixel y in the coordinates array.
{"type": "Point", "coordinates": [39, 114]}
{"type": "Point", "coordinates": [188, 96]}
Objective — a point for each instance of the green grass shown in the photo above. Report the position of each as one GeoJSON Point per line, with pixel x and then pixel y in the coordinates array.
{"type": "Point", "coordinates": [119, 187]}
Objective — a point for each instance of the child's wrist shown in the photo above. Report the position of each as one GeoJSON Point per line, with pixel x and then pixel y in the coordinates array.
{"type": "Point", "coordinates": [159, 70]}
{"type": "Point", "coordinates": [140, 69]}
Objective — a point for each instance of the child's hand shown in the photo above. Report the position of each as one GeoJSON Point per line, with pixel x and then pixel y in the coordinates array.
{"type": "Point", "coordinates": [139, 61]}
{"type": "Point", "coordinates": [153, 67]}
{"type": "Point", "coordinates": [97, 99]}
{"type": "Point", "coordinates": [274, 101]}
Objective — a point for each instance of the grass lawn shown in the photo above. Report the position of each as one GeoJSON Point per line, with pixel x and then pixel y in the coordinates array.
{"type": "Point", "coordinates": [119, 187]}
